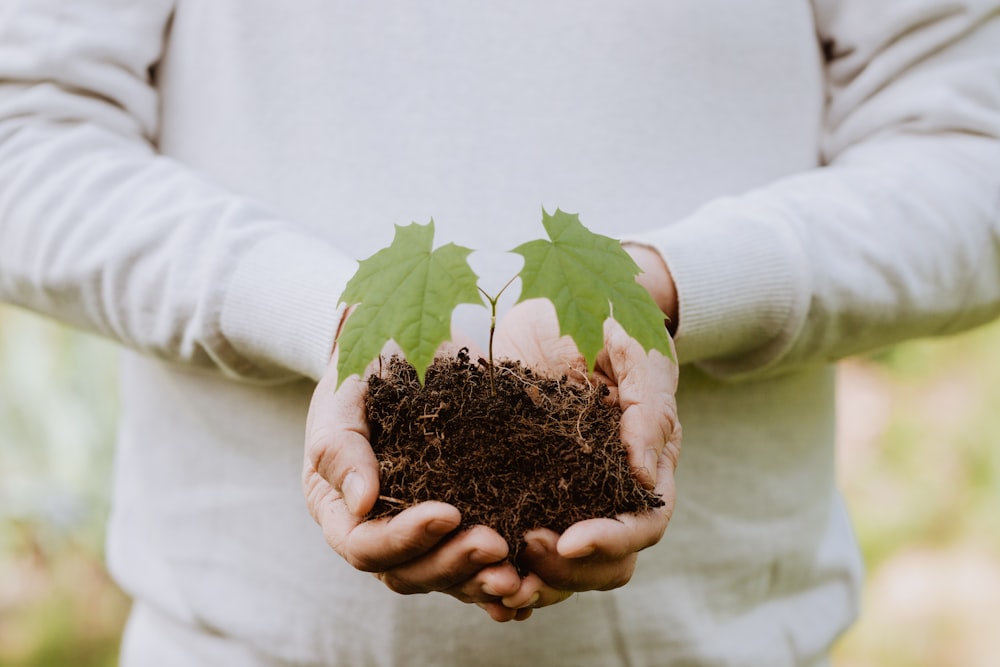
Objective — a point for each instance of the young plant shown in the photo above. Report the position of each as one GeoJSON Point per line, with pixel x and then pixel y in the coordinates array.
{"type": "Point", "coordinates": [408, 291]}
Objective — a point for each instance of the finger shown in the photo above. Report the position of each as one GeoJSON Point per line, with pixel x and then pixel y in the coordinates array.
{"type": "Point", "coordinates": [530, 332]}
{"type": "Point", "coordinates": [573, 574]}
{"type": "Point", "coordinates": [327, 508]}
{"type": "Point", "coordinates": [645, 430]}
{"type": "Point", "coordinates": [458, 566]}
{"type": "Point", "coordinates": [646, 385]}
{"type": "Point", "coordinates": [612, 539]}
{"type": "Point", "coordinates": [600, 554]}
{"type": "Point", "coordinates": [380, 545]}
{"type": "Point", "coordinates": [535, 593]}
{"type": "Point", "coordinates": [337, 446]}
{"type": "Point", "coordinates": [502, 614]}
{"type": "Point", "coordinates": [489, 584]}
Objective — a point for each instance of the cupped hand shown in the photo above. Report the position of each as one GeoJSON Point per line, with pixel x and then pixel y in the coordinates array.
{"type": "Point", "coordinates": [419, 550]}
{"type": "Point", "coordinates": [599, 554]}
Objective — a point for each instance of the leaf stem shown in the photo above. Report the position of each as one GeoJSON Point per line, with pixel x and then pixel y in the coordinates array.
{"type": "Point", "coordinates": [493, 327]}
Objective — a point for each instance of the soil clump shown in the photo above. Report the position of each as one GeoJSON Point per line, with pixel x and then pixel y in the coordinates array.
{"type": "Point", "coordinates": [542, 453]}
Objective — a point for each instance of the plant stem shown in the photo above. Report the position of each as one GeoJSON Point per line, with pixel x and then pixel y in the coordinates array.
{"type": "Point", "coordinates": [493, 327]}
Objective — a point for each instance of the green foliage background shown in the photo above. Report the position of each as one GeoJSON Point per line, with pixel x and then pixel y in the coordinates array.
{"type": "Point", "coordinates": [919, 454]}
{"type": "Point", "coordinates": [58, 407]}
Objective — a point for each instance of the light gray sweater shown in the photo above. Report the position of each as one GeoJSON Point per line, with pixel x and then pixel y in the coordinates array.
{"type": "Point", "coordinates": [195, 180]}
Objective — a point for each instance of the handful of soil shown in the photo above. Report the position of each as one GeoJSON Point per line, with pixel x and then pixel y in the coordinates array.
{"type": "Point", "coordinates": [541, 453]}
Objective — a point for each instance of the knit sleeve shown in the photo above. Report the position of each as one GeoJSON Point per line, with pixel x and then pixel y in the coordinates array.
{"type": "Point", "coordinates": [101, 232]}
{"type": "Point", "coordinates": [896, 235]}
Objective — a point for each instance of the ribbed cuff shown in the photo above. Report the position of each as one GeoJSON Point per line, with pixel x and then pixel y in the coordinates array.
{"type": "Point", "coordinates": [280, 309]}
{"type": "Point", "coordinates": [741, 286]}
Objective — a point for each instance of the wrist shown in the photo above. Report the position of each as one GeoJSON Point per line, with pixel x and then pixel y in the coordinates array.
{"type": "Point", "coordinates": [657, 280]}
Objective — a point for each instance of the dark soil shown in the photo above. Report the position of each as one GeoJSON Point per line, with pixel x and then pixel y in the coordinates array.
{"type": "Point", "coordinates": [542, 453]}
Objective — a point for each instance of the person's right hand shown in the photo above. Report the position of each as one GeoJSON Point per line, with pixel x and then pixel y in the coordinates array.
{"type": "Point", "coordinates": [599, 554]}
{"type": "Point", "coordinates": [416, 551]}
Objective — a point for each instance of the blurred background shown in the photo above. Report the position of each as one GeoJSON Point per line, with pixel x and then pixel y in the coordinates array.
{"type": "Point", "coordinates": [919, 462]}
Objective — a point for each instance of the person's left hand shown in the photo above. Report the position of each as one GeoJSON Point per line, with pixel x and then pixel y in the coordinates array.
{"type": "Point", "coordinates": [419, 550]}
{"type": "Point", "coordinates": [598, 554]}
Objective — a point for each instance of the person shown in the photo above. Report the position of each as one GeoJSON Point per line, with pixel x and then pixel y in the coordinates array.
{"type": "Point", "coordinates": [801, 181]}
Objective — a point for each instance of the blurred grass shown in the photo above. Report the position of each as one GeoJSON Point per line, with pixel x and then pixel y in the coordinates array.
{"type": "Point", "coordinates": [58, 408]}
{"type": "Point", "coordinates": [919, 462]}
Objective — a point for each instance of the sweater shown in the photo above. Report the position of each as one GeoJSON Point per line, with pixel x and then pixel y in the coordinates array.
{"type": "Point", "coordinates": [196, 180]}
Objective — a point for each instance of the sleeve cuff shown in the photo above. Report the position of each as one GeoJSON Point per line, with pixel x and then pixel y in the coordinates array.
{"type": "Point", "coordinates": [742, 286]}
{"type": "Point", "coordinates": [281, 307]}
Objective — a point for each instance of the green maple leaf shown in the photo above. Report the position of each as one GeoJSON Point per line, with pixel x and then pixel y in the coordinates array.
{"type": "Point", "coordinates": [406, 293]}
{"type": "Point", "coordinates": [588, 278]}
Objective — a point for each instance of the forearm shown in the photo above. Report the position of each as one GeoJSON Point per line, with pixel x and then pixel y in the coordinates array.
{"type": "Point", "coordinates": [101, 232]}
{"type": "Point", "coordinates": [900, 239]}
{"type": "Point", "coordinates": [896, 236]}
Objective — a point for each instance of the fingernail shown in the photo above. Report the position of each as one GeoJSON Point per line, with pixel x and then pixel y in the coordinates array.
{"type": "Point", "coordinates": [353, 488]}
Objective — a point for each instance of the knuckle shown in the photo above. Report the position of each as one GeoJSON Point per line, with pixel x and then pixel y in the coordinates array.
{"type": "Point", "coordinates": [650, 529]}
{"type": "Point", "coordinates": [554, 597]}
{"type": "Point", "coordinates": [463, 594]}
{"type": "Point", "coordinates": [327, 460]}
{"type": "Point", "coordinates": [408, 543]}
{"type": "Point", "coordinates": [402, 586]}
{"type": "Point", "coordinates": [451, 576]}
{"type": "Point", "coordinates": [318, 437]}
{"type": "Point", "coordinates": [359, 561]}
{"type": "Point", "coordinates": [320, 446]}
{"type": "Point", "coordinates": [621, 576]}
{"type": "Point", "coordinates": [568, 581]}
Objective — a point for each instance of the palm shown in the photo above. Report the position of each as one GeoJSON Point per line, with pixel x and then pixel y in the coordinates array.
{"type": "Point", "coordinates": [530, 333]}
{"type": "Point", "coordinates": [600, 553]}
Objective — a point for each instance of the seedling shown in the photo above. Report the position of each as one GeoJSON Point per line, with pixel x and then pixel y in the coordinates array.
{"type": "Point", "coordinates": [408, 291]}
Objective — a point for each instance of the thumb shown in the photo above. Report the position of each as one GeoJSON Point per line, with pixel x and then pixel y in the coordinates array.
{"type": "Point", "coordinates": [337, 441]}
{"type": "Point", "coordinates": [646, 384]}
